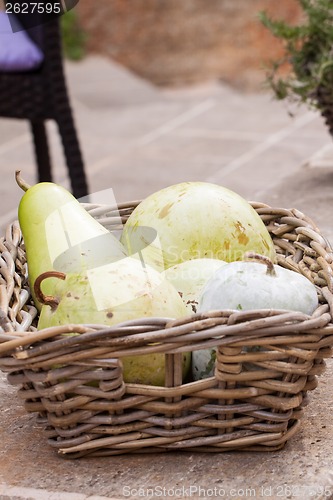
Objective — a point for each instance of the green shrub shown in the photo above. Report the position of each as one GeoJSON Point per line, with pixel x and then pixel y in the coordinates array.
{"type": "Point", "coordinates": [308, 51]}
{"type": "Point", "coordinates": [73, 36]}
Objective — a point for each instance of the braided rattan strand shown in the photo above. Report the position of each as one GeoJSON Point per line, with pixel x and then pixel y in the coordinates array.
{"type": "Point", "coordinates": [266, 363]}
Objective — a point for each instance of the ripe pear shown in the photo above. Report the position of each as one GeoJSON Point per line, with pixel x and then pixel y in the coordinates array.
{"type": "Point", "coordinates": [111, 294]}
{"type": "Point", "coordinates": [60, 234]}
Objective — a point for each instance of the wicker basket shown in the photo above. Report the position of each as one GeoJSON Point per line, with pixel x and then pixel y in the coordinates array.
{"type": "Point", "coordinates": [253, 402]}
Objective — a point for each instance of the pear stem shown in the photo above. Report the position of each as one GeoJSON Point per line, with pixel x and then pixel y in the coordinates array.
{"type": "Point", "coordinates": [48, 300]}
{"type": "Point", "coordinates": [262, 259]}
{"type": "Point", "coordinates": [20, 181]}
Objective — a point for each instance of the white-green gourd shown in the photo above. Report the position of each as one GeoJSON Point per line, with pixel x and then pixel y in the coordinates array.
{"type": "Point", "coordinates": [248, 285]}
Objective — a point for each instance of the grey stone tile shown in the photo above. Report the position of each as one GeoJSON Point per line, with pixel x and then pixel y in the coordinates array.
{"type": "Point", "coordinates": [12, 129]}
{"type": "Point", "coordinates": [99, 84]}
{"type": "Point", "coordinates": [259, 173]}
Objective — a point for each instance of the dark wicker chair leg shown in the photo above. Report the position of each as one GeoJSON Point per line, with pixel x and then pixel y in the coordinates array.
{"type": "Point", "coordinates": [41, 151]}
{"type": "Point", "coordinates": [41, 95]}
{"type": "Point", "coordinates": [73, 155]}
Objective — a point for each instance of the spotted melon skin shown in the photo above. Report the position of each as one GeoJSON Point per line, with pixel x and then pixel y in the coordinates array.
{"type": "Point", "coordinates": [114, 293]}
{"type": "Point", "coordinates": [193, 220]}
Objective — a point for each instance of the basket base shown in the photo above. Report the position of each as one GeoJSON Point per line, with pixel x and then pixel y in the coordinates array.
{"type": "Point", "coordinates": [221, 443]}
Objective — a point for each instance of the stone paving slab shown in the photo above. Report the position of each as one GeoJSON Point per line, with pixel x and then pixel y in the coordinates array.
{"type": "Point", "coordinates": [18, 493]}
{"type": "Point", "coordinates": [148, 137]}
{"type": "Point", "coordinates": [138, 142]}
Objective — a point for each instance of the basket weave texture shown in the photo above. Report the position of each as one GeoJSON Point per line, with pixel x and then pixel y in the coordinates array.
{"type": "Point", "coordinates": [266, 362]}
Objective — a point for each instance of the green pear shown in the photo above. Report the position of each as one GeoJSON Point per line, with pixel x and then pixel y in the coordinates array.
{"type": "Point", "coordinates": [108, 295]}
{"type": "Point", "coordinates": [60, 234]}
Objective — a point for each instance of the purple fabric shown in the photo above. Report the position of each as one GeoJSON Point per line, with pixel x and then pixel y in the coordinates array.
{"type": "Point", "coordinates": [17, 51]}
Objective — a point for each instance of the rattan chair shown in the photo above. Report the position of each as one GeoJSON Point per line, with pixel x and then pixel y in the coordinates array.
{"type": "Point", "coordinates": [41, 95]}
